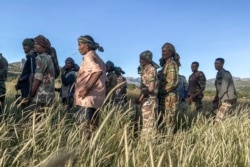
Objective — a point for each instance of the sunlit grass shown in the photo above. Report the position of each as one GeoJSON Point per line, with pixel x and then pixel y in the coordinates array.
{"type": "Point", "coordinates": [55, 140]}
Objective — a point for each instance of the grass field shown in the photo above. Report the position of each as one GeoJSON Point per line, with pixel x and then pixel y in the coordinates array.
{"type": "Point", "coordinates": [56, 140]}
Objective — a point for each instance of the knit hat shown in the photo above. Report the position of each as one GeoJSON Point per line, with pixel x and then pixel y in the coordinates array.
{"type": "Point", "coordinates": [29, 42]}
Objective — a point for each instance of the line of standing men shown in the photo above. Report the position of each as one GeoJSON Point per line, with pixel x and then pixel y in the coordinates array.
{"type": "Point", "coordinates": [158, 90]}
{"type": "Point", "coordinates": [87, 89]}
{"type": "Point", "coordinates": [163, 94]}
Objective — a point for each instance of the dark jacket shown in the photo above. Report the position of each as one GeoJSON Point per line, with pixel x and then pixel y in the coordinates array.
{"type": "Point", "coordinates": [68, 79]}
{"type": "Point", "coordinates": [28, 69]}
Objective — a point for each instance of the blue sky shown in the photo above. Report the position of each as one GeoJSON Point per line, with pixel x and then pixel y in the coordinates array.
{"type": "Point", "coordinates": [200, 30]}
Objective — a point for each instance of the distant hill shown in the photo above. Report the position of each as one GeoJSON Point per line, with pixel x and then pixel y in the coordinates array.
{"type": "Point", "coordinates": [135, 81]}
{"type": "Point", "coordinates": [240, 83]}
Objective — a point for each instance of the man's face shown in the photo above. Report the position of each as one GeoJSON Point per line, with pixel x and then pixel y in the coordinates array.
{"type": "Point", "coordinates": [194, 67]}
{"type": "Point", "coordinates": [68, 65]}
{"type": "Point", "coordinates": [83, 48]}
{"type": "Point", "coordinates": [108, 68]}
{"type": "Point", "coordinates": [166, 53]}
{"type": "Point", "coordinates": [26, 49]}
{"type": "Point", "coordinates": [39, 48]}
{"type": "Point", "coordinates": [143, 61]}
{"type": "Point", "coordinates": [218, 65]}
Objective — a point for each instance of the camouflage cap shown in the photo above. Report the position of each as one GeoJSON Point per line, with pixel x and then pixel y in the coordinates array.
{"type": "Point", "coordinates": [148, 55]}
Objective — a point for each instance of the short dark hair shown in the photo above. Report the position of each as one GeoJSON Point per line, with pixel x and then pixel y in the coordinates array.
{"type": "Point", "coordinates": [196, 63]}
{"type": "Point", "coordinates": [221, 60]}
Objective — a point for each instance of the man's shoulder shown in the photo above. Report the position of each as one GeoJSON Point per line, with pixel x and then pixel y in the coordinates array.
{"type": "Point", "coordinates": [226, 72]}
{"type": "Point", "coordinates": [202, 74]}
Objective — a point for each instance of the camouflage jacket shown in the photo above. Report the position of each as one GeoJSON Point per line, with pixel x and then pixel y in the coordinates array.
{"type": "Point", "coordinates": [149, 74]}
{"type": "Point", "coordinates": [45, 73]}
{"type": "Point", "coordinates": [196, 82]}
{"type": "Point", "coordinates": [168, 78]}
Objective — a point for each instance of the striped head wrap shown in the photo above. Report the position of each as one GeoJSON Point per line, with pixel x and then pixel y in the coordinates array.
{"type": "Point", "coordinates": [87, 39]}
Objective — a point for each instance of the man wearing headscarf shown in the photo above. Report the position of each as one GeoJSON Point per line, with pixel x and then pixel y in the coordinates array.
{"type": "Point", "coordinates": [167, 86]}
{"type": "Point", "coordinates": [147, 99]}
{"type": "Point", "coordinates": [90, 85]}
{"type": "Point", "coordinates": [25, 80]}
{"type": "Point", "coordinates": [3, 76]}
{"type": "Point", "coordinates": [111, 79]}
{"type": "Point", "coordinates": [68, 78]}
{"type": "Point", "coordinates": [42, 91]}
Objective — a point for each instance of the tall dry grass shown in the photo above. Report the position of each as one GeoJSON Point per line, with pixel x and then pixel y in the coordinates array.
{"type": "Point", "coordinates": [55, 140]}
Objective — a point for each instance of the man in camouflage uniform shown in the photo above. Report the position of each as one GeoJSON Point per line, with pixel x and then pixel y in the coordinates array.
{"type": "Point", "coordinates": [196, 86]}
{"type": "Point", "coordinates": [111, 79]}
{"type": "Point", "coordinates": [225, 96]}
{"type": "Point", "coordinates": [3, 76]}
{"type": "Point", "coordinates": [42, 91]}
{"type": "Point", "coordinates": [167, 87]}
{"type": "Point", "coordinates": [148, 97]}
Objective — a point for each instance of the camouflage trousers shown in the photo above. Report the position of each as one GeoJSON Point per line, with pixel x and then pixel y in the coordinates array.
{"type": "Point", "coordinates": [167, 109]}
{"type": "Point", "coordinates": [196, 105]}
{"type": "Point", "coordinates": [224, 109]}
{"type": "Point", "coordinates": [149, 108]}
